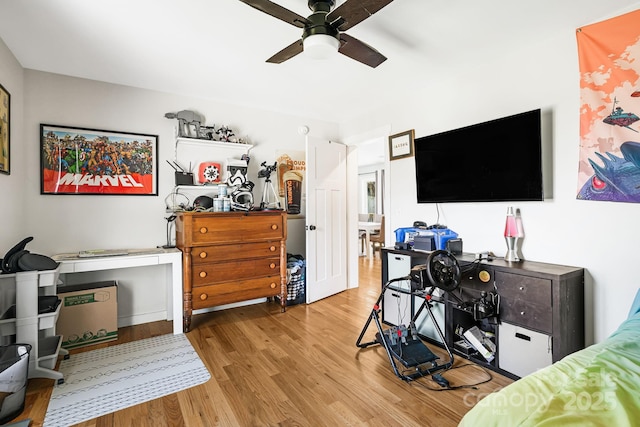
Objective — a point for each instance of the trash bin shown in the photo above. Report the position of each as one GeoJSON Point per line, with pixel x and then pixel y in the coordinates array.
{"type": "Point", "coordinates": [14, 370]}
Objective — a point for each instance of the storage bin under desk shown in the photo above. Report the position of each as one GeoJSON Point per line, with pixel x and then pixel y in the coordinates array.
{"type": "Point", "coordinates": [523, 351]}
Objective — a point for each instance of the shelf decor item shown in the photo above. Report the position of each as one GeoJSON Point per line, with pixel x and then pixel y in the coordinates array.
{"type": "Point", "coordinates": [93, 161]}
{"type": "Point", "coordinates": [209, 173]}
{"type": "Point", "coordinates": [512, 233]}
{"type": "Point", "coordinates": [401, 145]}
{"type": "Point", "coordinates": [5, 134]}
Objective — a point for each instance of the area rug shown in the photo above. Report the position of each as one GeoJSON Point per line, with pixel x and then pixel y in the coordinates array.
{"type": "Point", "coordinates": [106, 380]}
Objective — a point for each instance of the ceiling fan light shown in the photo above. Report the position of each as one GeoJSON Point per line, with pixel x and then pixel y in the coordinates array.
{"type": "Point", "coordinates": [320, 46]}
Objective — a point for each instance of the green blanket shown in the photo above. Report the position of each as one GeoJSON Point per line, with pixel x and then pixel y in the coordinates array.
{"type": "Point", "coordinates": [597, 386]}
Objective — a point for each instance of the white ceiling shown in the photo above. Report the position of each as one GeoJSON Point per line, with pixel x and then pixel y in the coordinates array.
{"type": "Point", "coordinates": [217, 48]}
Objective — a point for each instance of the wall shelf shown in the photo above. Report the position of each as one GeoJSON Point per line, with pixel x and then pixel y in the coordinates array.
{"type": "Point", "coordinates": [214, 144]}
{"type": "Point", "coordinates": [198, 187]}
{"type": "Point", "coordinates": [190, 153]}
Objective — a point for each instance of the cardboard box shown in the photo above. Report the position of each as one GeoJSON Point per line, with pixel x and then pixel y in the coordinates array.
{"type": "Point", "coordinates": [89, 314]}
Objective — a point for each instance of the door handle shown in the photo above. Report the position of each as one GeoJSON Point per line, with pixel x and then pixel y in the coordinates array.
{"type": "Point", "coordinates": [311, 227]}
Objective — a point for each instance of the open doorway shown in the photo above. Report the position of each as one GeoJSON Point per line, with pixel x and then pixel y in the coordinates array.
{"type": "Point", "coordinates": [370, 180]}
{"type": "Point", "coordinates": [371, 194]}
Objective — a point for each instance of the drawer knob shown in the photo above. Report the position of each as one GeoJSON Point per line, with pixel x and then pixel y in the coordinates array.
{"type": "Point", "coordinates": [203, 230]}
{"type": "Point", "coordinates": [272, 248]}
{"type": "Point", "coordinates": [203, 274]}
{"type": "Point", "coordinates": [272, 265]}
{"type": "Point", "coordinates": [274, 226]}
{"type": "Point", "coordinates": [272, 285]}
{"type": "Point", "coordinates": [203, 254]}
{"type": "Point", "coordinates": [203, 296]}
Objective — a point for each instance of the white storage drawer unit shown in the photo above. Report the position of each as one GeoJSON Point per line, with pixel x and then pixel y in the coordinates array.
{"type": "Point", "coordinates": [27, 325]}
{"type": "Point", "coordinates": [523, 351]}
{"type": "Point", "coordinates": [396, 306]}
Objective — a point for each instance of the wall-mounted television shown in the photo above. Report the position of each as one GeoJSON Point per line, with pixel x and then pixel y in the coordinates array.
{"type": "Point", "coordinates": [495, 161]}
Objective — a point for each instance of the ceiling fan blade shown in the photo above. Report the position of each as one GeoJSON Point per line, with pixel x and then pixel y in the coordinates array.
{"type": "Point", "coordinates": [353, 12]}
{"type": "Point", "coordinates": [360, 51]}
{"type": "Point", "coordinates": [277, 11]}
{"type": "Point", "coordinates": [287, 53]}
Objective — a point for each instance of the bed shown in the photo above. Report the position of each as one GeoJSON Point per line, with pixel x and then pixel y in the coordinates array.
{"type": "Point", "coordinates": [596, 386]}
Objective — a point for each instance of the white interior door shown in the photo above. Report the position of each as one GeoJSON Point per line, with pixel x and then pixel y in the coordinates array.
{"type": "Point", "coordinates": [326, 215]}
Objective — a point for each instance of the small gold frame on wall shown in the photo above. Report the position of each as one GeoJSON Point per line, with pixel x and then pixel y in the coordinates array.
{"type": "Point", "coordinates": [401, 145]}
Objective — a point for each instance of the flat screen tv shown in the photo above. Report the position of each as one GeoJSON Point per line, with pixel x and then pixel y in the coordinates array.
{"type": "Point", "coordinates": [496, 161]}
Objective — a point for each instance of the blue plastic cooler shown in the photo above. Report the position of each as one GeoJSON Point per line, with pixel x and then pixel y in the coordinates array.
{"type": "Point", "coordinates": [440, 235]}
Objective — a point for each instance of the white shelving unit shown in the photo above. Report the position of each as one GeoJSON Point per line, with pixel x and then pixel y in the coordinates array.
{"type": "Point", "coordinates": [38, 330]}
{"type": "Point", "coordinates": [190, 152]}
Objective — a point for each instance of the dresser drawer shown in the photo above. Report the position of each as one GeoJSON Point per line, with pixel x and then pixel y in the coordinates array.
{"type": "Point", "coordinates": [533, 290]}
{"type": "Point", "coordinates": [526, 314]}
{"type": "Point", "coordinates": [525, 300]}
{"type": "Point", "coordinates": [238, 290]}
{"type": "Point", "coordinates": [235, 228]}
{"type": "Point", "coordinates": [206, 274]}
{"type": "Point", "coordinates": [209, 254]}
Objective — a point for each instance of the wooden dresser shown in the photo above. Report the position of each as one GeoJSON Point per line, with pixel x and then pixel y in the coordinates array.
{"type": "Point", "coordinates": [230, 257]}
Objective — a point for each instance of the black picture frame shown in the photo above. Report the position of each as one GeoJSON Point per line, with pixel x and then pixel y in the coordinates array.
{"type": "Point", "coordinates": [86, 161]}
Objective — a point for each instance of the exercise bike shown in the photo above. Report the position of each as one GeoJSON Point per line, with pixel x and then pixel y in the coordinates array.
{"type": "Point", "coordinates": [402, 343]}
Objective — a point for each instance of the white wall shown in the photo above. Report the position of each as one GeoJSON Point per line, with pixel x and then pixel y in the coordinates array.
{"type": "Point", "coordinates": [68, 223]}
{"type": "Point", "coordinates": [601, 237]}
{"type": "Point", "coordinates": [12, 186]}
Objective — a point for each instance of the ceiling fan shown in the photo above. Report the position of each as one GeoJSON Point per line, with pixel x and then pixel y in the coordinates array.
{"type": "Point", "coordinates": [324, 28]}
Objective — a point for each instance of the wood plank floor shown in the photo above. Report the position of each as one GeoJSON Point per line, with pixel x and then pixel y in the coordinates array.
{"type": "Point", "coordinates": [299, 368]}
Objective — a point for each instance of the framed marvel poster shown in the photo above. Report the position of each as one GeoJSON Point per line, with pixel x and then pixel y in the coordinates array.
{"type": "Point", "coordinates": [94, 161]}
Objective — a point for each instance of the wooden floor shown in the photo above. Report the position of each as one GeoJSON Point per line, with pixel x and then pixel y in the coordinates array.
{"type": "Point", "coordinates": [299, 368]}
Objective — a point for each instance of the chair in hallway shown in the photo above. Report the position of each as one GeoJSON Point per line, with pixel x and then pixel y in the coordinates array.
{"type": "Point", "coordinates": [377, 239]}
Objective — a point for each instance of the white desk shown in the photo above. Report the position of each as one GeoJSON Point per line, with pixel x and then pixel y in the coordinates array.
{"type": "Point", "coordinates": [368, 228]}
{"type": "Point", "coordinates": [71, 263]}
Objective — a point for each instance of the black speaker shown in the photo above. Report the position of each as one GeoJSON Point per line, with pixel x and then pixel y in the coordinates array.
{"type": "Point", "coordinates": [454, 246]}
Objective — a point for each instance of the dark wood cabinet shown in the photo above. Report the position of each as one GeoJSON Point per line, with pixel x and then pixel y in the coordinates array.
{"type": "Point", "coordinates": [541, 309]}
